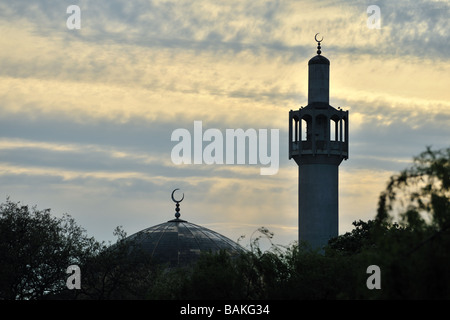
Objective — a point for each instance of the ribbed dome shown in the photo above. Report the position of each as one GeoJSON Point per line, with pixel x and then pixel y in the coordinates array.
{"type": "Point", "coordinates": [179, 243]}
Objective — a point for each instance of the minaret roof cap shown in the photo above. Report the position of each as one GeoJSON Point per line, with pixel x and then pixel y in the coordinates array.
{"type": "Point", "coordinates": [319, 59]}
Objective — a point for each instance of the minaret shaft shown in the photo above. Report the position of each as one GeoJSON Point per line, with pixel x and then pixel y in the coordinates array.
{"type": "Point", "coordinates": [318, 203]}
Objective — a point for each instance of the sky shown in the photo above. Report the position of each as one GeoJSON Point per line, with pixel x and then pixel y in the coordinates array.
{"type": "Point", "coordinates": [87, 115]}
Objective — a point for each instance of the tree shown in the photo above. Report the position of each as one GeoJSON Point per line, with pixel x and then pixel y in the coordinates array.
{"type": "Point", "coordinates": [419, 251]}
{"type": "Point", "coordinates": [420, 193]}
{"type": "Point", "coordinates": [36, 249]}
{"type": "Point", "coordinates": [361, 237]}
{"type": "Point", "coordinates": [118, 271]}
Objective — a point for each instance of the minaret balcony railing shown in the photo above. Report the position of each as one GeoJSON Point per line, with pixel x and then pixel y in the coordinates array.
{"type": "Point", "coordinates": [322, 147]}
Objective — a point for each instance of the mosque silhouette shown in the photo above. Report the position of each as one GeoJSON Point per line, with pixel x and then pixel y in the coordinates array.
{"type": "Point", "coordinates": [317, 148]}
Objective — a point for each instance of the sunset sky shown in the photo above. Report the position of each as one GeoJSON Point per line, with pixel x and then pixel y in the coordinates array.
{"type": "Point", "coordinates": [86, 116]}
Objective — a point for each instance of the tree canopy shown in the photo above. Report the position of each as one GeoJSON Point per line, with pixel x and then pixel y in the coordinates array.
{"type": "Point", "coordinates": [35, 250]}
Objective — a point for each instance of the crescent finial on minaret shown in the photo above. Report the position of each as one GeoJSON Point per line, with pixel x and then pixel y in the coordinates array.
{"type": "Point", "coordinates": [318, 43]}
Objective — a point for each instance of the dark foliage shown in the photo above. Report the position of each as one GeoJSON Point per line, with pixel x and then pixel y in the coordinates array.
{"type": "Point", "coordinates": [35, 251]}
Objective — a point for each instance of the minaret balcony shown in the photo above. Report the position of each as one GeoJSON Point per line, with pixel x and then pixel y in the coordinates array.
{"type": "Point", "coordinates": [314, 131]}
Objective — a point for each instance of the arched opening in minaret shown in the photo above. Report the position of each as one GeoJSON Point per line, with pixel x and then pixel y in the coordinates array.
{"type": "Point", "coordinates": [304, 131]}
{"type": "Point", "coordinates": [295, 133]}
{"type": "Point", "coordinates": [335, 128]}
{"type": "Point", "coordinates": [306, 128]}
{"type": "Point", "coordinates": [298, 129]}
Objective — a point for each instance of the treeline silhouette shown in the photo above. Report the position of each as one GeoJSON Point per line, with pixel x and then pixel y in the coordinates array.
{"type": "Point", "coordinates": [408, 239]}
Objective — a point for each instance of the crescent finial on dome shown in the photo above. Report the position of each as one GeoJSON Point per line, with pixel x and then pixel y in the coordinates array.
{"type": "Point", "coordinates": [177, 209]}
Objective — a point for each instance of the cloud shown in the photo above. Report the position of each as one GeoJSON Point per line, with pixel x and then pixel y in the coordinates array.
{"type": "Point", "coordinates": [86, 116]}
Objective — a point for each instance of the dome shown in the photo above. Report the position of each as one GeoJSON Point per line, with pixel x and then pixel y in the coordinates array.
{"type": "Point", "coordinates": [180, 243]}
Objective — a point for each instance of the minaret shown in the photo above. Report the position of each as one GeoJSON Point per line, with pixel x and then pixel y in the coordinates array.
{"type": "Point", "coordinates": [318, 142]}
